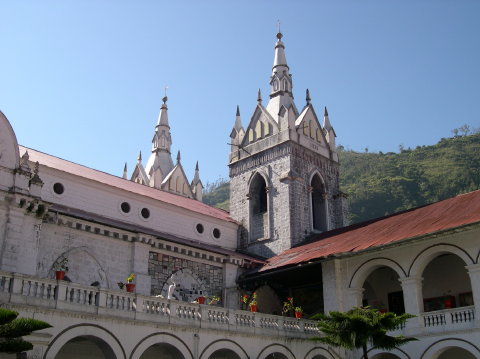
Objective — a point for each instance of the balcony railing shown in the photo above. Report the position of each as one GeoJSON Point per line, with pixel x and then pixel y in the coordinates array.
{"type": "Point", "coordinates": [62, 295]}
{"type": "Point", "coordinates": [463, 316]}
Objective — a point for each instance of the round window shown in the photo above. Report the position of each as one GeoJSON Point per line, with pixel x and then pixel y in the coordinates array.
{"type": "Point", "coordinates": [58, 188]}
{"type": "Point", "coordinates": [199, 228]}
{"type": "Point", "coordinates": [216, 233]}
{"type": "Point", "coordinates": [145, 213]}
{"type": "Point", "coordinates": [125, 206]}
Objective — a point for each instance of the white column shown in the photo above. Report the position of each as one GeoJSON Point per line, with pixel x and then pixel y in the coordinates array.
{"type": "Point", "coordinates": [474, 273]}
{"type": "Point", "coordinates": [413, 299]}
{"type": "Point", "coordinates": [354, 297]}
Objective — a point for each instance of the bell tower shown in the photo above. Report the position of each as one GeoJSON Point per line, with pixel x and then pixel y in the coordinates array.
{"type": "Point", "coordinates": [284, 180]}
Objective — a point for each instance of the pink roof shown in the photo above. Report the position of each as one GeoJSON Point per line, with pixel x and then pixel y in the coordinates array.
{"type": "Point", "coordinates": [124, 184]}
{"type": "Point", "coordinates": [448, 214]}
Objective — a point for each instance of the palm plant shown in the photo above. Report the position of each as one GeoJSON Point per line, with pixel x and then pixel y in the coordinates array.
{"type": "Point", "coordinates": [12, 329]}
{"type": "Point", "coordinates": [361, 326]}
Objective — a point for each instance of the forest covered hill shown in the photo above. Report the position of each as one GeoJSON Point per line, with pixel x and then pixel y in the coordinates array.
{"type": "Point", "coordinates": [378, 184]}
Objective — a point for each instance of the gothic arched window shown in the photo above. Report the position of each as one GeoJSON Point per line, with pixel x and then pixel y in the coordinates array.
{"type": "Point", "coordinates": [258, 208]}
{"type": "Point", "coordinates": [258, 193]}
{"type": "Point", "coordinates": [319, 205]}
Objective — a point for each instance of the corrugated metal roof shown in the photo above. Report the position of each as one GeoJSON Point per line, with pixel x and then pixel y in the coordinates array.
{"type": "Point", "coordinates": [124, 184]}
{"type": "Point", "coordinates": [448, 214]}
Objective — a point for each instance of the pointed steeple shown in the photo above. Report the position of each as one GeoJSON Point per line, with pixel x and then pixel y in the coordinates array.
{"type": "Point", "coordinates": [125, 171]}
{"type": "Point", "coordinates": [196, 186]}
{"type": "Point", "coordinates": [160, 161]}
{"type": "Point", "coordinates": [307, 98]}
{"type": "Point", "coordinates": [326, 121]}
{"type": "Point", "coordinates": [329, 131]}
{"type": "Point", "coordinates": [196, 177]}
{"type": "Point", "coordinates": [163, 115]}
{"type": "Point", "coordinates": [178, 157]}
{"type": "Point", "coordinates": [280, 82]}
{"type": "Point", "coordinates": [238, 120]}
{"type": "Point", "coordinates": [139, 158]}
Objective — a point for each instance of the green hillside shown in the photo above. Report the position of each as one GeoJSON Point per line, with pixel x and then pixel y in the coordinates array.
{"type": "Point", "coordinates": [383, 183]}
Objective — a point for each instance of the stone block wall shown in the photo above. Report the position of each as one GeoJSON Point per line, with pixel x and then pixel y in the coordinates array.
{"type": "Point", "coordinates": [287, 168]}
{"type": "Point", "coordinates": [205, 279]}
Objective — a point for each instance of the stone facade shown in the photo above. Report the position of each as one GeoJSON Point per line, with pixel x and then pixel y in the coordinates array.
{"type": "Point", "coordinates": [298, 164]}
{"type": "Point", "coordinates": [205, 279]}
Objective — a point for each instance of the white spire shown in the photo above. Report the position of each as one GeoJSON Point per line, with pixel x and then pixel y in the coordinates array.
{"type": "Point", "coordinates": [161, 157]}
{"type": "Point", "coordinates": [125, 171]}
{"type": "Point", "coordinates": [163, 115]}
{"type": "Point", "coordinates": [280, 81]}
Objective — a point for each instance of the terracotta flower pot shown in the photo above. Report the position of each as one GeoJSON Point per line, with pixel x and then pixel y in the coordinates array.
{"type": "Point", "coordinates": [298, 314]}
{"type": "Point", "coordinates": [201, 300]}
{"type": "Point", "coordinates": [59, 274]}
{"type": "Point", "coordinates": [253, 308]}
{"type": "Point", "coordinates": [130, 287]}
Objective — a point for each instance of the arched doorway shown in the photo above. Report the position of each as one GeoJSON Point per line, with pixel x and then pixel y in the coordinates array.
{"type": "Point", "coordinates": [319, 204]}
{"type": "Point", "coordinates": [383, 291]}
{"type": "Point", "coordinates": [224, 354]}
{"type": "Point", "coordinates": [85, 347]}
{"type": "Point", "coordinates": [446, 283]}
{"type": "Point", "coordinates": [456, 353]}
{"type": "Point", "coordinates": [162, 350]}
{"type": "Point", "coordinates": [258, 208]}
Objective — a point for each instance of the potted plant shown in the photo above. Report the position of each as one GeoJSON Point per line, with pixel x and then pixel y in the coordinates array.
{"type": "Point", "coordinates": [130, 286]}
{"type": "Point", "coordinates": [298, 312]}
{"type": "Point", "coordinates": [60, 267]}
{"type": "Point", "coordinates": [288, 305]}
{"type": "Point", "coordinates": [214, 300]}
{"type": "Point", "coordinates": [253, 303]}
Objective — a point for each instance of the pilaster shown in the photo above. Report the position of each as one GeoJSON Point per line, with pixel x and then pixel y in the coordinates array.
{"type": "Point", "coordinates": [413, 299]}
{"type": "Point", "coordinates": [474, 273]}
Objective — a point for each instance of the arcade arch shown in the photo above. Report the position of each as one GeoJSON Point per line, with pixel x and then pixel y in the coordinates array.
{"type": "Point", "coordinates": [223, 349]}
{"type": "Point", "coordinates": [446, 283]}
{"type": "Point", "coordinates": [69, 344]}
{"type": "Point", "coordinates": [159, 344]}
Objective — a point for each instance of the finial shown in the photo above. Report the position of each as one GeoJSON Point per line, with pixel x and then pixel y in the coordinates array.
{"type": "Point", "coordinates": [259, 97]}
{"type": "Point", "coordinates": [178, 156]}
{"type": "Point", "coordinates": [165, 100]}
{"type": "Point", "coordinates": [238, 111]}
{"type": "Point", "coordinates": [326, 112]}
{"type": "Point", "coordinates": [196, 167]}
{"type": "Point", "coordinates": [279, 33]}
{"type": "Point", "coordinates": [139, 158]}
{"type": "Point", "coordinates": [125, 167]}
{"type": "Point", "coordinates": [308, 97]}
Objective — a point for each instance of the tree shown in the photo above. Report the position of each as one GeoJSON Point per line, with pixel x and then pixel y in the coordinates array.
{"type": "Point", "coordinates": [361, 326]}
{"type": "Point", "coordinates": [12, 329]}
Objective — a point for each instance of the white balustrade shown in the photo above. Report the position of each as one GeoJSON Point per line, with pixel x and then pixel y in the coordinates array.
{"type": "Point", "coordinates": [463, 316]}
{"type": "Point", "coordinates": [76, 297]}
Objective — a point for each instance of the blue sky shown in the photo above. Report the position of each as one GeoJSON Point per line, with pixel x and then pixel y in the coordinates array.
{"type": "Point", "coordinates": [83, 80]}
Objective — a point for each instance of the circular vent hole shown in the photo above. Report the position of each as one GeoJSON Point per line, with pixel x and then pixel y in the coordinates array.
{"type": "Point", "coordinates": [216, 233]}
{"type": "Point", "coordinates": [125, 206]}
{"type": "Point", "coordinates": [58, 188]}
{"type": "Point", "coordinates": [199, 228]}
{"type": "Point", "coordinates": [145, 213]}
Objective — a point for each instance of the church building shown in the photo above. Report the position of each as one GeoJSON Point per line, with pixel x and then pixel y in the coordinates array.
{"type": "Point", "coordinates": [139, 267]}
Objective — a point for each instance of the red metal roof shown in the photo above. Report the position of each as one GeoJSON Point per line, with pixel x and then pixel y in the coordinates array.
{"type": "Point", "coordinates": [448, 214]}
{"type": "Point", "coordinates": [124, 184]}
